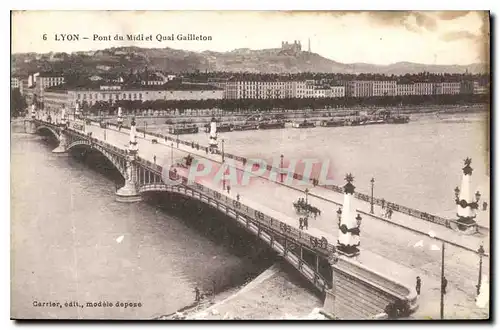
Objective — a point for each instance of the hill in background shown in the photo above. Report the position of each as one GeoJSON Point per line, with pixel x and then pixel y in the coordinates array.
{"type": "Point", "coordinates": [122, 59]}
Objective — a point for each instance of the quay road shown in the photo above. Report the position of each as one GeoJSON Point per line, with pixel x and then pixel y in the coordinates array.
{"type": "Point", "coordinates": [385, 247]}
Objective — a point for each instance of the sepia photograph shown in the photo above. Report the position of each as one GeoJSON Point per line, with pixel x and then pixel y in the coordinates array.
{"type": "Point", "coordinates": [250, 165]}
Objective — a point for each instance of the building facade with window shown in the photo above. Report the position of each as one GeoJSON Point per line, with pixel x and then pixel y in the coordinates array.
{"type": "Point", "coordinates": [384, 88]}
{"type": "Point", "coordinates": [424, 88]}
{"type": "Point", "coordinates": [359, 88]}
{"type": "Point", "coordinates": [405, 89]}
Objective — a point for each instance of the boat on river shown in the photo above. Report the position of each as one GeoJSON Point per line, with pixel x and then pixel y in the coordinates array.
{"type": "Point", "coordinates": [332, 122]}
{"type": "Point", "coordinates": [245, 127]}
{"type": "Point", "coordinates": [303, 124]}
{"type": "Point", "coordinates": [184, 129]}
{"type": "Point", "coordinates": [221, 128]}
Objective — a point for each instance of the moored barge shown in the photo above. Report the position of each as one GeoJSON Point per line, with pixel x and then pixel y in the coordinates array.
{"type": "Point", "coordinates": [271, 124]}
{"type": "Point", "coordinates": [185, 129]}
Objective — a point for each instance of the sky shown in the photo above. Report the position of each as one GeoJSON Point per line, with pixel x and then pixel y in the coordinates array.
{"type": "Point", "coordinates": [377, 37]}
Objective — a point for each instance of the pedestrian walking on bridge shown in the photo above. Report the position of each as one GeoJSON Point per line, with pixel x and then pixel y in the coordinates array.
{"type": "Point", "coordinates": [444, 285]}
{"type": "Point", "coordinates": [154, 159]}
{"type": "Point", "coordinates": [419, 285]}
{"type": "Point", "coordinates": [228, 189]}
{"type": "Point", "coordinates": [238, 197]}
{"type": "Point", "coordinates": [485, 206]}
{"type": "Point", "coordinates": [306, 223]}
{"type": "Point", "coordinates": [301, 221]}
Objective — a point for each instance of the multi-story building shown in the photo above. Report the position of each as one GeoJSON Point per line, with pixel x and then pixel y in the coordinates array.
{"type": "Point", "coordinates": [405, 89]}
{"type": "Point", "coordinates": [15, 82]}
{"type": "Point", "coordinates": [480, 89]}
{"type": "Point", "coordinates": [359, 88]}
{"type": "Point", "coordinates": [54, 101]}
{"type": "Point", "coordinates": [260, 89]}
{"type": "Point", "coordinates": [384, 88]}
{"type": "Point", "coordinates": [322, 92]}
{"type": "Point", "coordinates": [89, 96]}
{"type": "Point", "coordinates": [338, 91]}
{"type": "Point", "coordinates": [45, 80]}
{"type": "Point", "coordinates": [280, 89]}
{"type": "Point", "coordinates": [24, 85]}
{"type": "Point", "coordinates": [467, 87]}
{"type": "Point", "coordinates": [424, 88]}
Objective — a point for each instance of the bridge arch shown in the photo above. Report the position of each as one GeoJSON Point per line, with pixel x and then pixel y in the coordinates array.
{"type": "Point", "coordinates": [54, 132]}
{"type": "Point", "coordinates": [117, 161]}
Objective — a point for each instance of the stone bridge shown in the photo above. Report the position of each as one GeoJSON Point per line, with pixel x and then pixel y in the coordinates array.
{"type": "Point", "coordinates": [352, 290]}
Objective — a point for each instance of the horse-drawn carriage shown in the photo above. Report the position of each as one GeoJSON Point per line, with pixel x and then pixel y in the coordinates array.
{"type": "Point", "coordinates": [302, 207]}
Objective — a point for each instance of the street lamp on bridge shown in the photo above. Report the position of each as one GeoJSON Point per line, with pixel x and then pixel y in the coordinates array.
{"type": "Point", "coordinates": [441, 309]}
{"type": "Point", "coordinates": [222, 150]}
{"type": "Point", "coordinates": [371, 202]}
{"type": "Point", "coordinates": [172, 153]}
{"type": "Point", "coordinates": [307, 193]}
{"type": "Point", "coordinates": [481, 254]}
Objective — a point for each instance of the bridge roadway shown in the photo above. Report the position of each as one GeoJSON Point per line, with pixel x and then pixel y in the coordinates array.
{"type": "Point", "coordinates": [386, 246]}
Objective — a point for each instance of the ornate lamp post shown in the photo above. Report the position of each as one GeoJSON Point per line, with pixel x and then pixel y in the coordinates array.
{"type": "Point", "coordinates": [466, 205]}
{"type": "Point", "coordinates": [172, 153]}
{"type": "Point", "coordinates": [224, 181]}
{"type": "Point", "coordinates": [481, 253]}
{"type": "Point", "coordinates": [349, 224]}
{"type": "Point", "coordinates": [371, 203]}
{"type": "Point", "coordinates": [222, 150]}
{"type": "Point", "coordinates": [441, 309]}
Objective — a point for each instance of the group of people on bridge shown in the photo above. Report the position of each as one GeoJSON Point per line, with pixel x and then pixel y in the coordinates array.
{"type": "Point", "coordinates": [303, 206]}
{"type": "Point", "coordinates": [386, 212]}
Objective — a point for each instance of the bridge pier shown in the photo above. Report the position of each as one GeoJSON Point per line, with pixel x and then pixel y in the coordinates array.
{"type": "Point", "coordinates": [30, 126]}
{"type": "Point", "coordinates": [129, 192]}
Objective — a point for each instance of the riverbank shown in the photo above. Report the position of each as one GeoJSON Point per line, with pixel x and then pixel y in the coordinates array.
{"type": "Point", "coordinates": [276, 293]}
{"type": "Point", "coordinates": [203, 116]}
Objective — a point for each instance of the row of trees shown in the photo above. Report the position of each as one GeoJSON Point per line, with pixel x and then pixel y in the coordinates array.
{"type": "Point", "coordinates": [305, 103]}
{"type": "Point", "coordinates": [419, 77]}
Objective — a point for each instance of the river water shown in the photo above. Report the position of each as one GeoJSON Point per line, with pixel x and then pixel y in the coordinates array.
{"type": "Point", "coordinates": [416, 164]}
{"type": "Point", "coordinates": [71, 241]}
